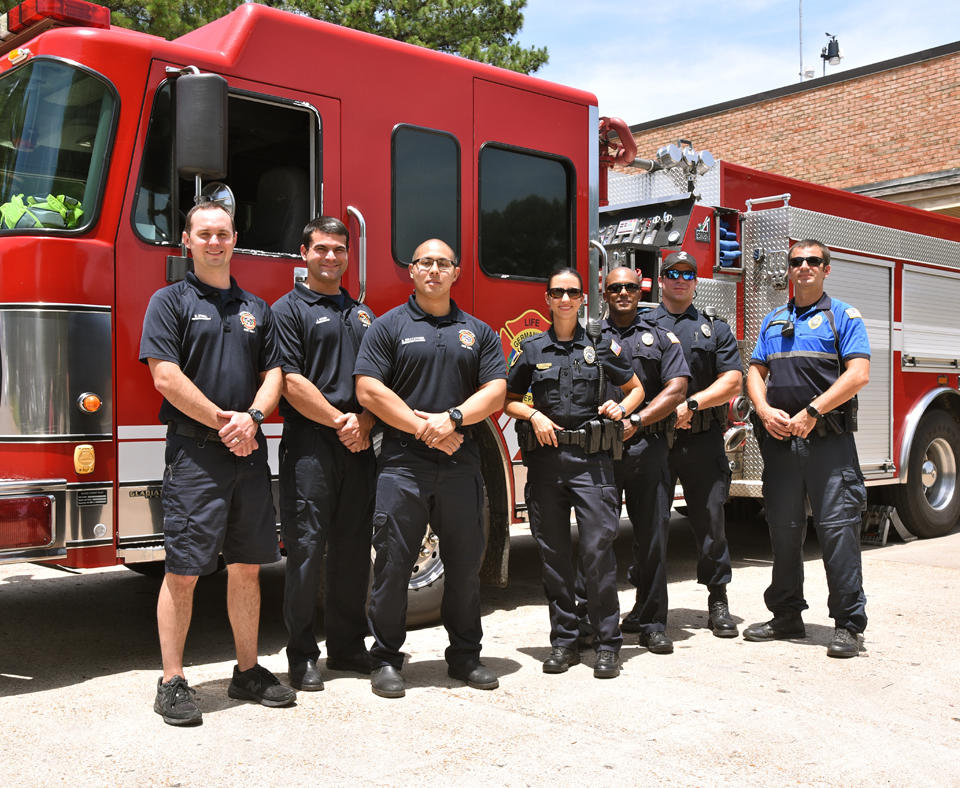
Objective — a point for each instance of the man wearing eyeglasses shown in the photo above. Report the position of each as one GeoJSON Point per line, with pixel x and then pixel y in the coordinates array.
{"type": "Point", "coordinates": [642, 473]}
{"type": "Point", "coordinates": [327, 466]}
{"type": "Point", "coordinates": [697, 457]}
{"type": "Point", "coordinates": [811, 359]}
{"type": "Point", "coordinates": [429, 371]}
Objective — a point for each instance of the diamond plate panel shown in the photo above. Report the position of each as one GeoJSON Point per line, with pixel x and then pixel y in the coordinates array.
{"type": "Point", "coordinates": [721, 295]}
{"type": "Point", "coordinates": [630, 188]}
{"type": "Point", "coordinates": [855, 236]}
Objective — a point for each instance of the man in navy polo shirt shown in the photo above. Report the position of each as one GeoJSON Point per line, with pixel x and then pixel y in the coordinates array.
{"type": "Point", "coordinates": [213, 356]}
{"type": "Point", "coordinates": [643, 474]}
{"type": "Point", "coordinates": [327, 465]}
{"type": "Point", "coordinates": [697, 457]}
{"type": "Point", "coordinates": [811, 359]}
{"type": "Point", "coordinates": [429, 370]}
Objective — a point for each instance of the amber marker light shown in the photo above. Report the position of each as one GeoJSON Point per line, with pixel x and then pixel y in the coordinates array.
{"type": "Point", "coordinates": [89, 402]}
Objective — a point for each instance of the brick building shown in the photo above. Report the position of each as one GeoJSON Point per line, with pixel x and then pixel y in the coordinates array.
{"type": "Point", "coordinates": [890, 130]}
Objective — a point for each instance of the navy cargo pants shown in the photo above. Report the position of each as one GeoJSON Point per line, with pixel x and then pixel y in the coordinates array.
{"type": "Point", "coordinates": [557, 479]}
{"type": "Point", "coordinates": [417, 485]}
{"type": "Point", "coordinates": [825, 470]}
{"type": "Point", "coordinates": [326, 499]}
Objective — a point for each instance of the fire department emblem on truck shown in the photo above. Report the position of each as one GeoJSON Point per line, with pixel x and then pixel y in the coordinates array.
{"type": "Point", "coordinates": [520, 328]}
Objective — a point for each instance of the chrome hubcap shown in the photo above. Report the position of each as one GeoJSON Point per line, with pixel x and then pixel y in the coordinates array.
{"type": "Point", "coordinates": [938, 474]}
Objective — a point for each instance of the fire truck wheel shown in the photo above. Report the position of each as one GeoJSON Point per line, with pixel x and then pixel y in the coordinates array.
{"type": "Point", "coordinates": [929, 503]}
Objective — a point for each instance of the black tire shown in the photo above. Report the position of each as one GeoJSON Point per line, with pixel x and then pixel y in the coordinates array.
{"type": "Point", "coordinates": [929, 503]}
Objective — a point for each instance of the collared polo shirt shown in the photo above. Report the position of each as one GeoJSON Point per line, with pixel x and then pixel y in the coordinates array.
{"type": "Point", "coordinates": [807, 363]}
{"type": "Point", "coordinates": [709, 347]}
{"type": "Point", "coordinates": [654, 353]}
{"type": "Point", "coordinates": [222, 340]}
{"type": "Point", "coordinates": [564, 376]}
{"type": "Point", "coordinates": [320, 339]}
{"type": "Point", "coordinates": [432, 363]}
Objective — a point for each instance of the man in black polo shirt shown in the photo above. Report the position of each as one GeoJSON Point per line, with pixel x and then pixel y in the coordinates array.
{"type": "Point", "coordinates": [327, 466]}
{"type": "Point", "coordinates": [698, 458]}
{"type": "Point", "coordinates": [428, 370]}
{"type": "Point", "coordinates": [212, 352]}
{"type": "Point", "coordinates": [643, 473]}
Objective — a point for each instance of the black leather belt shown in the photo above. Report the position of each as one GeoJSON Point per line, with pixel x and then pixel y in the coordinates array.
{"type": "Point", "coordinates": [191, 431]}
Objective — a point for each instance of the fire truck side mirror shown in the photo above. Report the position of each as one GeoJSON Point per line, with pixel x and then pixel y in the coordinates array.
{"type": "Point", "coordinates": [201, 146]}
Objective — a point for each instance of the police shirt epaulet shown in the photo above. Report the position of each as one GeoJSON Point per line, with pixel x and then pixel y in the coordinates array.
{"type": "Point", "coordinates": [853, 313]}
{"type": "Point", "coordinates": [672, 337]}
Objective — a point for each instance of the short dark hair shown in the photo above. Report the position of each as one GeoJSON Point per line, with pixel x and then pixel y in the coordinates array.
{"type": "Point", "coordinates": [824, 252]}
{"type": "Point", "coordinates": [564, 270]}
{"type": "Point", "coordinates": [330, 225]}
{"type": "Point", "coordinates": [206, 205]}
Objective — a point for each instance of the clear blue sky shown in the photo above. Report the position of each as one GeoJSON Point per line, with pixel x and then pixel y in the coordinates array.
{"type": "Point", "coordinates": [646, 60]}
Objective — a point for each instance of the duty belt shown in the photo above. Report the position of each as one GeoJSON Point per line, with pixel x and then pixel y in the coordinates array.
{"type": "Point", "coordinates": [594, 437]}
{"type": "Point", "coordinates": [702, 420]}
{"type": "Point", "coordinates": [192, 431]}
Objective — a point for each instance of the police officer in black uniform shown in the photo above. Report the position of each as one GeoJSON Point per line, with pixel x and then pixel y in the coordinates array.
{"type": "Point", "coordinates": [213, 356]}
{"type": "Point", "coordinates": [697, 457]}
{"type": "Point", "coordinates": [811, 359]}
{"type": "Point", "coordinates": [429, 371]}
{"type": "Point", "coordinates": [643, 473]}
{"type": "Point", "coordinates": [567, 446]}
{"type": "Point", "coordinates": [327, 467]}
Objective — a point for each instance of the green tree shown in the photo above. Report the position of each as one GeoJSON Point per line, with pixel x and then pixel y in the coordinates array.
{"type": "Point", "coordinates": [483, 30]}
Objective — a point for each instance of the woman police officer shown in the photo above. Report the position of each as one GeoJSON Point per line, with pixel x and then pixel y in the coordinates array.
{"type": "Point", "coordinates": [567, 446]}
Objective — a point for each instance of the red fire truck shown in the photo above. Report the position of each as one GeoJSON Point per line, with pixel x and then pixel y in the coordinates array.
{"type": "Point", "coordinates": [105, 135]}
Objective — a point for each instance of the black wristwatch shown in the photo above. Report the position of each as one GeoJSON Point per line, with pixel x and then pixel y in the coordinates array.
{"type": "Point", "coordinates": [812, 411]}
{"type": "Point", "coordinates": [692, 404]}
{"type": "Point", "coordinates": [256, 415]}
{"type": "Point", "coordinates": [456, 417]}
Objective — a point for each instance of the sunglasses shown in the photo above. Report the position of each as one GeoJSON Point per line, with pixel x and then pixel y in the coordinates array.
{"type": "Point", "coordinates": [675, 273]}
{"type": "Point", "coordinates": [813, 262]}
{"type": "Point", "coordinates": [560, 292]}
{"type": "Point", "coordinates": [630, 287]}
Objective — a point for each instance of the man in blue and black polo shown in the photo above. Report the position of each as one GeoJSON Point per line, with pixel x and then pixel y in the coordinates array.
{"type": "Point", "coordinates": [811, 359]}
{"type": "Point", "coordinates": [429, 371]}
{"type": "Point", "coordinates": [327, 466]}
{"type": "Point", "coordinates": [212, 352]}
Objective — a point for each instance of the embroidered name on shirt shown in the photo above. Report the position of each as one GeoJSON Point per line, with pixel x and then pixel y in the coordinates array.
{"type": "Point", "coordinates": [323, 319]}
{"type": "Point", "coordinates": [200, 316]}
{"type": "Point", "coordinates": [408, 340]}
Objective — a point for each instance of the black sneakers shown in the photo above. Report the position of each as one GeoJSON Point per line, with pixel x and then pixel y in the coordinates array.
{"type": "Point", "coordinates": [261, 686]}
{"type": "Point", "coordinates": [175, 702]}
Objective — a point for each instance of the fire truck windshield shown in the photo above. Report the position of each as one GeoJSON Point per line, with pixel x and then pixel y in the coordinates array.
{"type": "Point", "coordinates": [56, 126]}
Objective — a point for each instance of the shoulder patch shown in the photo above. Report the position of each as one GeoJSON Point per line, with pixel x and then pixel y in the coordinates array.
{"type": "Point", "coordinates": [853, 313]}
{"type": "Point", "coordinates": [615, 347]}
{"type": "Point", "coordinates": [673, 338]}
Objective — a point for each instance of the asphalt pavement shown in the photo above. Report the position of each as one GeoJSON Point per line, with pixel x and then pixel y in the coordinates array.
{"type": "Point", "coordinates": [79, 662]}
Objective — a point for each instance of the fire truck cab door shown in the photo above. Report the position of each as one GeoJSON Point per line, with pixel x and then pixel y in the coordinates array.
{"type": "Point", "coordinates": [280, 178]}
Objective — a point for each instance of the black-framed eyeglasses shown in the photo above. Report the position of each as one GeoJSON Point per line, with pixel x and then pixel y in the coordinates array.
{"type": "Point", "coordinates": [442, 263]}
{"type": "Point", "coordinates": [813, 261]}
{"type": "Point", "coordinates": [676, 273]}
{"type": "Point", "coordinates": [560, 292]}
{"type": "Point", "coordinates": [630, 287]}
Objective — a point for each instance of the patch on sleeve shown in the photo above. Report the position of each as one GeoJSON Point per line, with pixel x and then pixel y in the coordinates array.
{"type": "Point", "coordinates": [615, 347]}
{"type": "Point", "coordinates": [853, 313]}
{"type": "Point", "coordinates": [673, 338]}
